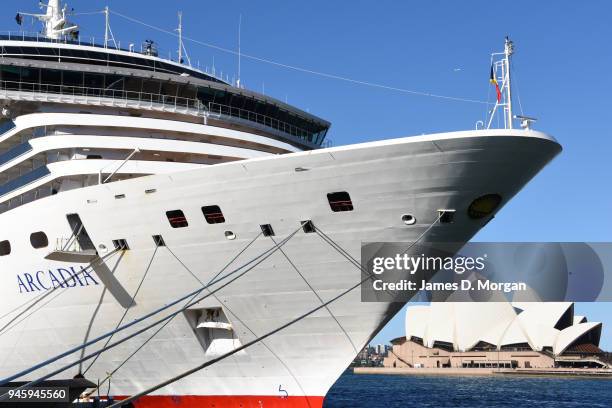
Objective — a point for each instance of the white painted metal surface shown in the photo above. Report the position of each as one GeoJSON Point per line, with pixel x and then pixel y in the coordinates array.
{"type": "Point", "coordinates": [385, 180]}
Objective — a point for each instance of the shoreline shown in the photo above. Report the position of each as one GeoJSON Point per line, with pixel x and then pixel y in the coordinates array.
{"type": "Point", "coordinates": [536, 372]}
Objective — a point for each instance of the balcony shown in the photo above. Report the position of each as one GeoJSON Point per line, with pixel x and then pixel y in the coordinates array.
{"type": "Point", "coordinates": [43, 92]}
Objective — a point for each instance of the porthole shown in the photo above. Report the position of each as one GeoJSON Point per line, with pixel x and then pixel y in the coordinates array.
{"type": "Point", "coordinates": [39, 240]}
{"type": "Point", "coordinates": [408, 219]}
{"type": "Point", "coordinates": [5, 248]}
{"type": "Point", "coordinates": [230, 235]}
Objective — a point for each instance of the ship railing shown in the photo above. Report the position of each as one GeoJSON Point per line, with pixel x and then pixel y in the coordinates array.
{"type": "Point", "coordinates": [33, 36]}
{"type": "Point", "coordinates": [254, 117]}
{"type": "Point", "coordinates": [69, 244]}
{"type": "Point", "coordinates": [91, 42]}
{"type": "Point", "coordinates": [163, 102]}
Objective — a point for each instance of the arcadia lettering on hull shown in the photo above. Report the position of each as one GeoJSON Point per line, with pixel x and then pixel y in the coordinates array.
{"type": "Point", "coordinates": [59, 278]}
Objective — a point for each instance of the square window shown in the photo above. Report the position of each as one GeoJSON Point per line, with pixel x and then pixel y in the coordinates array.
{"type": "Point", "coordinates": [177, 219]}
{"type": "Point", "coordinates": [213, 214]}
{"type": "Point", "coordinates": [340, 201]}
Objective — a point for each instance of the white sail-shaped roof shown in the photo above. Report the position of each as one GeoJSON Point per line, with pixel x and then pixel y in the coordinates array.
{"type": "Point", "coordinates": [514, 334]}
{"type": "Point", "coordinates": [572, 333]}
{"type": "Point", "coordinates": [417, 321]}
{"type": "Point", "coordinates": [488, 325]}
{"type": "Point", "coordinates": [466, 324]}
{"type": "Point", "coordinates": [441, 324]}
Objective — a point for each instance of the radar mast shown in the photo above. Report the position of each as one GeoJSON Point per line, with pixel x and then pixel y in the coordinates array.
{"type": "Point", "coordinates": [55, 24]}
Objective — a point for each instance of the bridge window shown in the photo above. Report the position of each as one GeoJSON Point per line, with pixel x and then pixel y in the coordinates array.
{"type": "Point", "coordinates": [177, 219]}
{"type": "Point", "coordinates": [340, 201]}
{"type": "Point", "coordinates": [213, 214]}
{"type": "Point", "coordinates": [5, 248]}
{"type": "Point", "coordinates": [39, 240]}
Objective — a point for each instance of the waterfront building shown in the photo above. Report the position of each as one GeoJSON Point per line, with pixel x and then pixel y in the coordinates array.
{"type": "Point", "coordinates": [497, 335]}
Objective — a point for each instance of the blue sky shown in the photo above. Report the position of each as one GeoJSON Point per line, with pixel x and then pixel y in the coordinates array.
{"type": "Point", "coordinates": [562, 59]}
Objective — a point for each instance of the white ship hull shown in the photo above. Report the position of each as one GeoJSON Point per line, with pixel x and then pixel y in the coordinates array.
{"type": "Point", "coordinates": [298, 365]}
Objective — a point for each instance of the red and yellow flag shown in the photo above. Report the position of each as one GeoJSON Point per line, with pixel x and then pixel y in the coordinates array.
{"type": "Point", "coordinates": [494, 81]}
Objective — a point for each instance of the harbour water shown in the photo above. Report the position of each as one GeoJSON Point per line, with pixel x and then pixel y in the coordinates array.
{"type": "Point", "coordinates": [390, 391]}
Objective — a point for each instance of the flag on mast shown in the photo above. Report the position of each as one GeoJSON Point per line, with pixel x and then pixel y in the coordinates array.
{"type": "Point", "coordinates": [494, 82]}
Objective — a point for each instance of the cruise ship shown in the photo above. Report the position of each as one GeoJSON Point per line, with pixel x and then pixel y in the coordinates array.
{"type": "Point", "coordinates": [132, 184]}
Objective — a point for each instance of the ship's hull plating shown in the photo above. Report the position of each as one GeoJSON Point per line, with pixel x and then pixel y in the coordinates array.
{"type": "Point", "coordinates": [297, 366]}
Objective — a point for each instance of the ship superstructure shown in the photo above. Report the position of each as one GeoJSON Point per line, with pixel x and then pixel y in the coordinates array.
{"type": "Point", "coordinates": [59, 95]}
{"type": "Point", "coordinates": [127, 181]}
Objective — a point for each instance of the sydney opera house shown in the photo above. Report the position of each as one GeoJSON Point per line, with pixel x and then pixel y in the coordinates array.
{"type": "Point", "coordinates": [497, 335]}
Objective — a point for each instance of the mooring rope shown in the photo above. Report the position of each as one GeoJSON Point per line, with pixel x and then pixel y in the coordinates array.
{"type": "Point", "coordinates": [110, 374]}
{"type": "Point", "coordinates": [226, 307]}
{"type": "Point", "coordinates": [256, 340]}
{"type": "Point", "coordinates": [41, 297]}
{"type": "Point", "coordinates": [260, 258]}
{"type": "Point", "coordinates": [312, 289]}
{"type": "Point", "coordinates": [127, 309]}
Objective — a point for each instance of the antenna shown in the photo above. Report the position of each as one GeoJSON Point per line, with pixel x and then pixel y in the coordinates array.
{"type": "Point", "coordinates": [106, 26]}
{"type": "Point", "coordinates": [508, 51]}
{"type": "Point", "coordinates": [500, 62]}
{"type": "Point", "coordinates": [239, 55]}
{"type": "Point", "coordinates": [54, 20]}
{"type": "Point", "coordinates": [180, 37]}
{"type": "Point", "coordinates": [181, 45]}
{"type": "Point", "coordinates": [108, 30]}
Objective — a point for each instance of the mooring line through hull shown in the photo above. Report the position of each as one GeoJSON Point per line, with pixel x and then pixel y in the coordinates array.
{"type": "Point", "coordinates": [259, 339]}
{"type": "Point", "coordinates": [90, 326]}
{"type": "Point", "coordinates": [344, 253]}
{"type": "Point", "coordinates": [312, 289]}
{"type": "Point", "coordinates": [258, 260]}
{"type": "Point", "coordinates": [127, 309]}
{"type": "Point", "coordinates": [358, 264]}
{"type": "Point", "coordinates": [42, 296]}
{"type": "Point", "coordinates": [225, 305]}
{"type": "Point", "coordinates": [159, 329]}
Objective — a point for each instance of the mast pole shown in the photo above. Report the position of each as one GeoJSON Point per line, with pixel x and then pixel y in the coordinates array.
{"type": "Point", "coordinates": [180, 36]}
{"type": "Point", "coordinates": [508, 51]}
{"type": "Point", "coordinates": [239, 53]}
{"type": "Point", "coordinates": [106, 25]}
